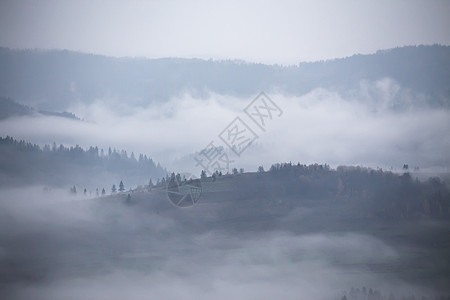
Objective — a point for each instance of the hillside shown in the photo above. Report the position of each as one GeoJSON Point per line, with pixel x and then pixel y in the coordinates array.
{"type": "Point", "coordinates": [406, 214]}
{"type": "Point", "coordinates": [9, 108]}
{"type": "Point", "coordinates": [52, 80]}
{"type": "Point", "coordinates": [23, 163]}
{"type": "Point", "coordinates": [366, 193]}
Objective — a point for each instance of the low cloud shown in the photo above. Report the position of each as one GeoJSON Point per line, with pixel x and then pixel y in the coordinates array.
{"type": "Point", "coordinates": [74, 248]}
{"type": "Point", "coordinates": [380, 124]}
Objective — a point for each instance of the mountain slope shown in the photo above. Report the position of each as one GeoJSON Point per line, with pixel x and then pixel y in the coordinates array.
{"type": "Point", "coordinates": [23, 163]}
{"type": "Point", "coordinates": [10, 108]}
{"type": "Point", "coordinates": [52, 80]}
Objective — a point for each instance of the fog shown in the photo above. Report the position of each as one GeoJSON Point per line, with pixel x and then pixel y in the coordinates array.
{"type": "Point", "coordinates": [379, 124]}
{"type": "Point", "coordinates": [59, 246]}
{"type": "Point", "coordinates": [271, 31]}
{"type": "Point", "coordinates": [55, 246]}
{"type": "Point", "coordinates": [338, 189]}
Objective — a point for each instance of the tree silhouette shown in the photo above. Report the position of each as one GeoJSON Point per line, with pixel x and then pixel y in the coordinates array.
{"type": "Point", "coordinates": [121, 187]}
{"type": "Point", "coordinates": [113, 189]}
{"type": "Point", "coordinates": [73, 190]}
{"type": "Point", "coordinates": [150, 184]}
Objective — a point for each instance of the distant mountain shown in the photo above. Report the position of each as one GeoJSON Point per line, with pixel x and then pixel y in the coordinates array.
{"type": "Point", "coordinates": [51, 80]}
{"type": "Point", "coordinates": [10, 108]}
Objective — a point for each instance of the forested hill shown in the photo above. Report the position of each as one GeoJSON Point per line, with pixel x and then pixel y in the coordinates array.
{"type": "Point", "coordinates": [10, 108]}
{"type": "Point", "coordinates": [346, 192]}
{"type": "Point", "coordinates": [23, 163]}
{"type": "Point", "coordinates": [51, 80]}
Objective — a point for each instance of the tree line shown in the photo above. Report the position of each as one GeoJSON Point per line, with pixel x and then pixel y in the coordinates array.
{"type": "Point", "coordinates": [27, 163]}
{"type": "Point", "coordinates": [373, 193]}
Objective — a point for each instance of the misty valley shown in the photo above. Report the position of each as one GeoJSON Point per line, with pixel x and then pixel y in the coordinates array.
{"type": "Point", "coordinates": [340, 190]}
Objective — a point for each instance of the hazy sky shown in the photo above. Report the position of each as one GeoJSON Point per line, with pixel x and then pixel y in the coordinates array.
{"type": "Point", "coordinates": [262, 31]}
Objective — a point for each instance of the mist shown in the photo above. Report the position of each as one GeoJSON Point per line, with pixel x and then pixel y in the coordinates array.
{"type": "Point", "coordinates": [57, 246]}
{"type": "Point", "coordinates": [224, 150]}
{"type": "Point", "coordinates": [379, 124]}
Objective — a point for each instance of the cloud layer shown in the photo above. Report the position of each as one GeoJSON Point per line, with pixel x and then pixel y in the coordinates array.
{"type": "Point", "coordinates": [380, 124]}
{"type": "Point", "coordinates": [58, 246]}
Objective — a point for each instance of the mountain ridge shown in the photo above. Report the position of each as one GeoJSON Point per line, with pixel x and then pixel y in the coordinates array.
{"type": "Point", "coordinates": [54, 79]}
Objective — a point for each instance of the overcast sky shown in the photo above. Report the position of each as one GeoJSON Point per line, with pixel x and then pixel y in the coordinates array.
{"type": "Point", "coordinates": [278, 31]}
